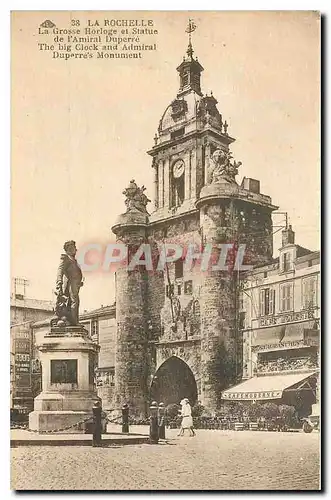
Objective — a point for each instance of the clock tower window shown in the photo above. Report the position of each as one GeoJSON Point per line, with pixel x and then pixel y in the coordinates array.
{"type": "Point", "coordinates": [177, 184]}
{"type": "Point", "coordinates": [177, 192]}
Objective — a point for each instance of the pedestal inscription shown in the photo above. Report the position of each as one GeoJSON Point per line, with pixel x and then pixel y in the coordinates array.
{"type": "Point", "coordinates": [64, 371]}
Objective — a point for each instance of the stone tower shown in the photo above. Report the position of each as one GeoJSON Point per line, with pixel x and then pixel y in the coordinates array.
{"type": "Point", "coordinates": [131, 307]}
{"type": "Point", "coordinates": [192, 340]}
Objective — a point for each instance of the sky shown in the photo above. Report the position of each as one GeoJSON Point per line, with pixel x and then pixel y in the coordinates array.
{"type": "Point", "coordinates": [80, 129]}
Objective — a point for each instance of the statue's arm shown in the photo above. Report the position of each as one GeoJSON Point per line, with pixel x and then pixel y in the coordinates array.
{"type": "Point", "coordinates": [59, 277]}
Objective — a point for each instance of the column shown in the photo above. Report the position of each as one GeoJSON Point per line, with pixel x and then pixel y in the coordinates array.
{"type": "Point", "coordinates": [187, 174]}
{"type": "Point", "coordinates": [166, 182]}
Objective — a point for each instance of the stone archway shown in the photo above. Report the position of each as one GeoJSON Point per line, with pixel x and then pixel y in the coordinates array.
{"type": "Point", "coordinates": [174, 381]}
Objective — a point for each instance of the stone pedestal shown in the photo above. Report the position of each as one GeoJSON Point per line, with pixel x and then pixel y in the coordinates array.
{"type": "Point", "coordinates": [68, 359]}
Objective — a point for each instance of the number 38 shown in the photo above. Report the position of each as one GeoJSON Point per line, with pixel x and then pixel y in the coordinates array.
{"type": "Point", "coordinates": [75, 22]}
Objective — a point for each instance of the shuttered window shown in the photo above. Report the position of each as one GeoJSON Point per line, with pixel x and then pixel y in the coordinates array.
{"type": "Point", "coordinates": [286, 297]}
{"type": "Point", "coordinates": [267, 302]}
{"type": "Point", "coordinates": [309, 292]}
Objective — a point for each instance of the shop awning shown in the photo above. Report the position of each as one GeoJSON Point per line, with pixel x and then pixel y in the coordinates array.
{"type": "Point", "coordinates": [269, 387]}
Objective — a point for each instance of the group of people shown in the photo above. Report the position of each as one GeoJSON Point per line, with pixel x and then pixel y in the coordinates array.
{"type": "Point", "coordinates": [187, 420]}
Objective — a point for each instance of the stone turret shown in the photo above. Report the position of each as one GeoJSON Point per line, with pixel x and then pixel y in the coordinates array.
{"type": "Point", "coordinates": [131, 320]}
{"type": "Point", "coordinates": [232, 215]}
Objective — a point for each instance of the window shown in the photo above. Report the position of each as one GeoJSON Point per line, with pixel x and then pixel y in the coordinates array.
{"type": "Point", "coordinates": [179, 290]}
{"type": "Point", "coordinates": [177, 191]}
{"type": "Point", "coordinates": [95, 328]}
{"type": "Point", "coordinates": [308, 292]}
{"type": "Point", "coordinates": [178, 269]}
{"type": "Point", "coordinates": [286, 262]}
{"type": "Point", "coordinates": [184, 79]}
{"type": "Point", "coordinates": [267, 302]}
{"type": "Point", "coordinates": [286, 297]}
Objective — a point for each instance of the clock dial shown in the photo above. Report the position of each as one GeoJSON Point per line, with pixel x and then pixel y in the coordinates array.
{"type": "Point", "coordinates": [178, 169]}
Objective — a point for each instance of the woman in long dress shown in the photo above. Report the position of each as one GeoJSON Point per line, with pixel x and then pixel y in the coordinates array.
{"type": "Point", "coordinates": [187, 420]}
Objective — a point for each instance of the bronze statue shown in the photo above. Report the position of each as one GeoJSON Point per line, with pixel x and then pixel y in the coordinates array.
{"type": "Point", "coordinates": [68, 283]}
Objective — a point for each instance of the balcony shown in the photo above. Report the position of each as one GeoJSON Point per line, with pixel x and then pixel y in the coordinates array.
{"type": "Point", "coordinates": [285, 366]}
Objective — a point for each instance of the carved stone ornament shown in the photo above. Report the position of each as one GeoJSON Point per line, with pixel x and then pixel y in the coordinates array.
{"type": "Point", "coordinates": [179, 107]}
{"type": "Point", "coordinates": [222, 167]}
{"type": "Point", "coordinates": [135, 198]}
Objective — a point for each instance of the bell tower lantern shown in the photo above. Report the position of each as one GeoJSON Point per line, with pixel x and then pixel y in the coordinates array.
{"type": "Point", "coordinates": [190, 73]}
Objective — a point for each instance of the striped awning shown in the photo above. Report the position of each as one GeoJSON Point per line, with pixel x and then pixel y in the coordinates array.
{"type": "Point", "coordinates": [262, 388]}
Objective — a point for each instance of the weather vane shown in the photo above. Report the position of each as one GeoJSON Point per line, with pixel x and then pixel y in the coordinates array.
{"type": "Point", "coordinates": [190, 28]}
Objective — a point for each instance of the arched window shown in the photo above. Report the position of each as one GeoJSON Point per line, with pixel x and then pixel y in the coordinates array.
{"type": "Point", "coordinates": [177, 184]}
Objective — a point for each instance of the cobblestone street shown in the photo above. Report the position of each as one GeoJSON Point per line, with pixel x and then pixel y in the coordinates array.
{"type": "Point", "coordinates": [213, 460]}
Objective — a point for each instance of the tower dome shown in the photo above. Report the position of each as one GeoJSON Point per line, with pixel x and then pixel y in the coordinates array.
{"type": "Point", "coordinates": [191, 110]}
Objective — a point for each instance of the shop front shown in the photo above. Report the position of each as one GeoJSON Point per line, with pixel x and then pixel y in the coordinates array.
{"type": "Point", "coordinates": [297, 390]}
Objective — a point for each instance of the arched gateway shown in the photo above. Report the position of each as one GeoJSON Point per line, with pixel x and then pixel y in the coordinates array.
{"type": "Point", "coordinates": [174, 381]}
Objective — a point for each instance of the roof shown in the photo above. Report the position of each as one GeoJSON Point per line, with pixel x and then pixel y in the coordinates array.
{"type": "Point", "coordinates": [268, 387]}
{"type": "Point", "coordinates": [42, 305]}
{"type": "Point", "coordinates": [301, 252]}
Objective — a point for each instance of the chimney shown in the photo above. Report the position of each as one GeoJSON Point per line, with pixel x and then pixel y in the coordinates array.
{"type": "Point", "coordinates": [288, 236]}
{"type": "Point", "coordinates": [252, 185]}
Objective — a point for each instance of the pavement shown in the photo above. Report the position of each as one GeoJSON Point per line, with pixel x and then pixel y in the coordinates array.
{"type": "Point", "coordinates": [213, 460]}
{"type": "Point", "coordinates": [24, 437]}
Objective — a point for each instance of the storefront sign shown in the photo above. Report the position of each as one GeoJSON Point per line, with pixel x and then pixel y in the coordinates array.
{"type": "Point", "coordinates": [250, 396]}
{"type": "Point", "coordinates": [286, 318]}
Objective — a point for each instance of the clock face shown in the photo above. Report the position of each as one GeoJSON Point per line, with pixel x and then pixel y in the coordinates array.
{"type": "Point", "coordinates": [178, 168]}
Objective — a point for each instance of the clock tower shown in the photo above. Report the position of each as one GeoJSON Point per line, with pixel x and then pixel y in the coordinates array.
{"type": "Point", "coordinates": [190, 130]}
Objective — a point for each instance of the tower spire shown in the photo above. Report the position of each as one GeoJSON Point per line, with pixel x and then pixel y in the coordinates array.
{"type": "Point", "coordinates": [190, 70]}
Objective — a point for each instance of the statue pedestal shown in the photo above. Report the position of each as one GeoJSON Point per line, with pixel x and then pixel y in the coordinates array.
{"type": "Point", "coordinates": [68, 359]}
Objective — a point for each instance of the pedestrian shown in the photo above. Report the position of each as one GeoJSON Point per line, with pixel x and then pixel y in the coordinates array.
{"type": "Point", "coordinates": [187, 420]}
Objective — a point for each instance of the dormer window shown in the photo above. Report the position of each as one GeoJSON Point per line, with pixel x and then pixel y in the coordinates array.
{"type": "Point", "coordinates": [286, 262]}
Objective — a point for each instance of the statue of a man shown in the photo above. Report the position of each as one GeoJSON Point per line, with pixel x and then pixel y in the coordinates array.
{"type": "Point", "coordinates": [68, 283]}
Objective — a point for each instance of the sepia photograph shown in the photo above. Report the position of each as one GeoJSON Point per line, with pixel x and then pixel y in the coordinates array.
{"type": "Point", "coordinates": [165, 299]}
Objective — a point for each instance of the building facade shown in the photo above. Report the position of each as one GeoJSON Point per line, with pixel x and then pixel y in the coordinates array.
{"type": "Point", "coordinates": [25, 367]}
{"type": "Point", "coordinates": [177, 330]}
{"type": "Point", "coordinates": [25, 375]}
{"type": "Point", "coordinates": [101, 325]}
{"type": "Point", "coordinates": [280, 314]}
{"type": "Point", "coordinates": [23, 309]}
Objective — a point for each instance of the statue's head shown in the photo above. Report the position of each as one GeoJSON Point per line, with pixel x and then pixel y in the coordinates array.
{"type": "Point", "coordinates": [70, 248]}
{"type": "Point", "coordinates": [219, 156]}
